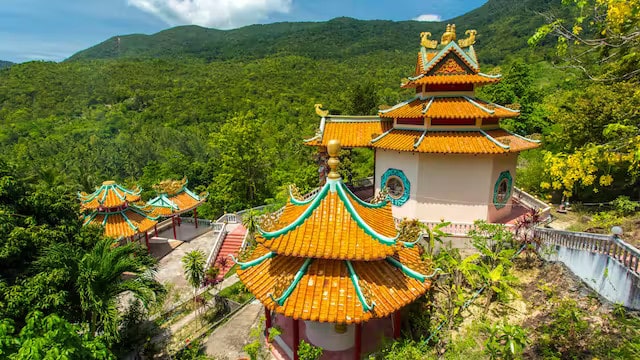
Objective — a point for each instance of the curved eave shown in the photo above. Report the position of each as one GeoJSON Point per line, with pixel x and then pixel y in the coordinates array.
{"type": "Point", "coordinates": [334, 290]}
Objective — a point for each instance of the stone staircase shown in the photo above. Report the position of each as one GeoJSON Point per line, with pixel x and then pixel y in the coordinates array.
{"type": "Point", "coordinates": [231, 245]}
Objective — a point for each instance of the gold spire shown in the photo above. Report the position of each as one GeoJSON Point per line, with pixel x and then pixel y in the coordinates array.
{"type": "Point", "coordinates": [449, 35]}
{"type": "Point", "coordinates": [333, 148]}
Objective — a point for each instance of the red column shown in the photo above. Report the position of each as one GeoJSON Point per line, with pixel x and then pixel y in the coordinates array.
{"type": "Point", "coordinates": [146, 239]}
{"type": "Point", "coordinates": [173, 222]}
{"type": "Point", "coordinates": [358, 348]}
{"type": "Point", "coordinates": [195, 217]}
{"type": "Point", "coordinates": [396, 324]}
{"type": "Point", "coordinates": [267, 322]}
{"type": "Point", "coordinates": [296, 339]}
{"type": "Point", "coordinates": [155, 227]}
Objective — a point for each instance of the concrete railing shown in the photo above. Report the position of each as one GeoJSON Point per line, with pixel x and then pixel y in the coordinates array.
{"type": "Point", "coordinates": [230, 219]}
{"type": "Point", "coordinates": [605, 263]}
{"type": "Point", "coordinates": [455, 229]}
{"type": "Point", "coordinates": [609, 245]}
{"type": "Point", "coordinates": [360, 183]}
{"type": "Point", "coordinates": [201, 222]}
{"type": "Point", "coordinates": [532, 202]}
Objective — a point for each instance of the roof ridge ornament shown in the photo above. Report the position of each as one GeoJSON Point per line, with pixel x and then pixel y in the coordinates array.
{"type": "Point", "coordinates": [320, 112]}
{"type": "Point", "coordinates": [470, 40]}
{"type": "Point", "coordinates": [449, 34]}
{"type": "Point", "coordinates": [333, 148]}
{"type": "Point", "coordinates": [426, 42]}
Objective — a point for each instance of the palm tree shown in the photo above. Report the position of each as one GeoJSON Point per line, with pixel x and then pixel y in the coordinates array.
{"type": "Point", "coordinates": [251, 221]}
{"type": "Point", "coordinates": [193, 264]}
{"type": "Point", "coordinates": [108, 271]}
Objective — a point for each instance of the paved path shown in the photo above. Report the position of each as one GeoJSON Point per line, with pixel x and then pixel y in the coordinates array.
{"type": "Point", "coordinates": [228, 340]}
{"type": "Point", "coordinates": [170, 269]}
{"type": "Point", "coordinates": [191, 316]}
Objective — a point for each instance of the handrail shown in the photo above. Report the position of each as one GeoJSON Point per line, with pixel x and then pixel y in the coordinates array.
{"type": "Point", "coordinates": [612, 246]}
{"type": "Point", "coordinates": [532, 202]}
{"type": "Point", "coordinates": [218, 245]}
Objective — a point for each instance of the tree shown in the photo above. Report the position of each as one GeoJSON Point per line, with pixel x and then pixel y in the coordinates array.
{"type": "Point", "coordinates": [193, 264]}
{"type": "Point", "coordinates": [50, 337]}
{"type": "Point", "coordinates": [108, 271]}
{"type": "Point", "coordinates": [601, 39]}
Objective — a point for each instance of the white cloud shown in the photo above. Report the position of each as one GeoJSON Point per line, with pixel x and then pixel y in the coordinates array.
{"type": "Point", "coordinates": [428, 17]}
{"type": "Point", "coordinates": [222, 14]}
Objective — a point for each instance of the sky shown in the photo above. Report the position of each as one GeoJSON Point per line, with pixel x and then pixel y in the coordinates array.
{"type": "Point", "coordinates": [53, 30]}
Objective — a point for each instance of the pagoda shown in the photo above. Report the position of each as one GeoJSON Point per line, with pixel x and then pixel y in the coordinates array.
{"type": "Point", "coordinates": [112, 206]}
{"type": "Point", "coordinates": [174, 198]}
{"type": "Point", "coordinates": [332, 268]}
{"type": "Point", "coordinates": [441, 154]}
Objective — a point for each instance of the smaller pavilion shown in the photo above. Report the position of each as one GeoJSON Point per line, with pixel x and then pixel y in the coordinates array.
{"type": "Point", "coordinates": [112, 206]}
{"type": "Point", "coordinates": [338, 264]}
{"type": "Point", "coordinates": [173, 199]}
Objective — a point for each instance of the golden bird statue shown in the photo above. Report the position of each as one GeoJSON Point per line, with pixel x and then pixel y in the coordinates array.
{"type": "Point", "coordinates": [320, 112]}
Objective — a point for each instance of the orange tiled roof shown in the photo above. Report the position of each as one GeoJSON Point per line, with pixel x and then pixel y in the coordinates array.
{"type": "Point", "coordinates": [351, 133]}
{"type": "Point", "coordinates": [332, 233]}
{"type": "Point", "coordinates": [454, 142]}
{"type": "Point", "coordinates": [447, 108]}
{"type": "Point", "coordinates": [327, 293]}
{"type": "Point", "coordinates": [434, 57]}
{"type": "Point", "coordinates": [108, 195]}
{"type": "Point", "coordinates": [477, 79]}
{"type": "Point", "coordinates": [182, 200]}
{"type": "Point", "coordinates": [122, 223]}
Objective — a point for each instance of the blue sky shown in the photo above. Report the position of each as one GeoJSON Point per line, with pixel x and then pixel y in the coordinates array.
{"type": "Point", "coordinates": [56, 29]}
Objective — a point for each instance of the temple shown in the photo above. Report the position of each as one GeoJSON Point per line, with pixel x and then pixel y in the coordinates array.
{"type": "Point", "coordinates": [332, 268]}
{"type": "Point", "coordinates": [441, 154]}
{"type": "Point", "coordinates": [112, 206]}
{"type": "Point", "coordinates": [173, 199]}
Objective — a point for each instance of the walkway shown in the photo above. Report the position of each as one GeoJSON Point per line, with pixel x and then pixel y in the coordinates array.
{"type": "Point", "coordinates": [170, 271]}
{"type": "Point", "coordinates": [227, 341]}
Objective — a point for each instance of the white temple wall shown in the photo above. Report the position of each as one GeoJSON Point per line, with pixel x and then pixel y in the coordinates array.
{"type": "Point", "coordinates": [502, 162]}
{"type": "Point", "coordinates": [408, 163]}
{"type": "Point", "coordinates": [453, 187]}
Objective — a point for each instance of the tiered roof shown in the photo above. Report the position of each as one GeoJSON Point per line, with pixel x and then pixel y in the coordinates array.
{"type": "Point", "coordinates": [175, 198]}
{"type": "Point", "coordinates": [443, 117]}
{"type": "Point", "coordinates": [111, 206]}
{"type": "Point", "coordinates": [334, 258]}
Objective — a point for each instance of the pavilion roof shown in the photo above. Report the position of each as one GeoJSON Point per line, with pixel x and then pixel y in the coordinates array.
{"type": "Point", "coordinates": [109, 195]}
{"type": "Point", "coordinates": [175, 198]}
{"type": "Point", "coordinates": [476, 79]}
{"type": "Point", "coordinates": [337, 291]}
{"type": "Point", "coordinates": [123, 223]}
{"type": "Point", "coordinates": [334, 258]}
{"type": "Point", "coordinates": [447, 107]}
{"type": "Point", "coordinates": [350, 131]}
{"type": "Point", "coordinates": [497, 141]}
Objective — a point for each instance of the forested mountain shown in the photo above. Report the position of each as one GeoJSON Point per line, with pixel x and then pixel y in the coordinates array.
{"type": "Point", "coordinates": [503, 29]}
{"type": "Point", "coordinates": [4, 64]}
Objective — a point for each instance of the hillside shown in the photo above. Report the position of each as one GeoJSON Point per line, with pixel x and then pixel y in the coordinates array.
{"type": "Point", "coordinates": [4, 64]}
{"type": "Point", "coordinates": [503, 28]}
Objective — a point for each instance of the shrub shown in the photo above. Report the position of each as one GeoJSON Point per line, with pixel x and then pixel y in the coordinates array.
{"type": "Point", "coordinates": [307, 351]}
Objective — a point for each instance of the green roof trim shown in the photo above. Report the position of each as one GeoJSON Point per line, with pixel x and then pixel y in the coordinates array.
{"type": "Point", "coordinates": [363, 225]}
{"type": "Point", "coordinates": [308, 211]}
{"type": "Point", "coordinates": [303, 269]}
{"type": "Point", "coordinates": [254, 262]}
{"type": "Point", "coordinates": [301, 202]}
{"type": "Point", "coordinates": [364, 203]}
{"type": "Point", "coordinates": [410, 272]}
{"type": "Point", "coordinates": [354, 279]}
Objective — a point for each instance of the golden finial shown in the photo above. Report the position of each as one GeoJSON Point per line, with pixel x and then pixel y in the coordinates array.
{"type": "Point", "coordinates": [108, 182]}
{"type": "Point", "coordinates": [449, 34]}
{"type": "Point", "coordinates": [333, 148]}
{"type": "Point", "coordinates": [320, 112]}
{"type": "Point", "coordinates": [470, 40]}
{"type": "Point", "coordinates": [426, 42]}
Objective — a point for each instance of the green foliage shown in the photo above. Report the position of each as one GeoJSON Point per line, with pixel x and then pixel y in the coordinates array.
{"type": "Point", "coordinates": [236, 292]}
{"type": "Point", "coordinates": [505, 341]}
{"type": "Point", "coordinates": [624, 206]}
{"type": "Point", "coordinates": [193, 351]}
{"type": "Point", "coordinates": [193, 264]}
{"type": "Point", "coordinates": [307, 351]}
{"type": "Point", "coordinates": [49, 337]}
{"type": "Point", "coordinates": [565, 335]}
